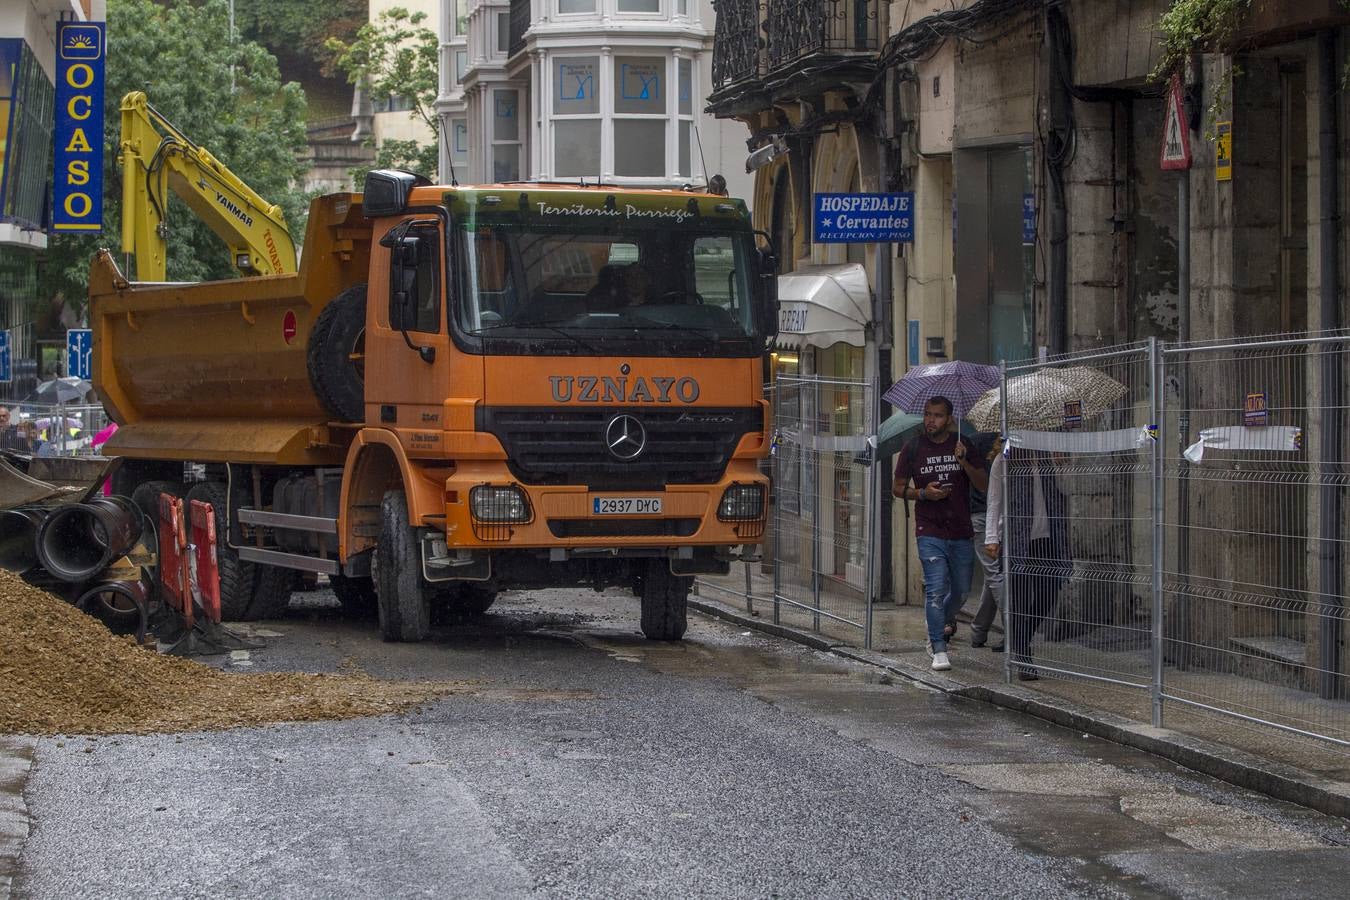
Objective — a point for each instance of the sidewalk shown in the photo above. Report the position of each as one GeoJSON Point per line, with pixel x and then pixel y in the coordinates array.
{"type": "Point", "coordinates": [1300, 770]}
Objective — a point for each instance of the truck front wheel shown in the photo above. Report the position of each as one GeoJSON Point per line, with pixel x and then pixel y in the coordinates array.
{"type": "Point", "coordinates": [665, 601]}
{"type": "Point", "coordinates": [403, 595]}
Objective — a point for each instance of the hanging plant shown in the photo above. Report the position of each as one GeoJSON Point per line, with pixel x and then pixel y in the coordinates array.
{"type": "Point", "coordinates": [1192, 25]}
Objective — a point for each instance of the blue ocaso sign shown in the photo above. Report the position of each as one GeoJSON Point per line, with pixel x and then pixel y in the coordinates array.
{"type": "Point", "coordinates": [864, 218]}
{"type": "Point", "coordinates": [78, 182]}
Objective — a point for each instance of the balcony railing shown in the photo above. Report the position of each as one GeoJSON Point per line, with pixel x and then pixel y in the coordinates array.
{"type": "Point", "coordinates": [520, 23]}
{"type": "Point", "coordinates": [758, 37]}
{"type": "Point", "coordinates": [739, 43]}
{"type": "Point", "coordinates": [799, 28]}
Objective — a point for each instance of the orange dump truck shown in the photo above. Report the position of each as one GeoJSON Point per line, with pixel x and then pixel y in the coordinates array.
{"type": "Point", "coordinates": [462, 390]}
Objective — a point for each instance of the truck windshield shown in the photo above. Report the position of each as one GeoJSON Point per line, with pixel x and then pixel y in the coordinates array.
{"type": "Point", "coordinates": [651, 288]}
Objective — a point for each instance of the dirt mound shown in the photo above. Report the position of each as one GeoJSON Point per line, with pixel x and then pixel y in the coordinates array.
{"type": "Point", "coordinates": [63, 672]}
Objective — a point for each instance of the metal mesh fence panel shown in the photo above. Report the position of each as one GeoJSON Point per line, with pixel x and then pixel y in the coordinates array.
{"type": "Point", "coordinates": [1254, 571]}
{"type": "Point", "coordinates": [823, 514]}
{"type": "Point", "coordinates": [1078, 516]}
{"type": "Point", "coordinates": [57, 430]}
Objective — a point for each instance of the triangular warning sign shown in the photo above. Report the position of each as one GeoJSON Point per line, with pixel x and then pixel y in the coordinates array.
{"type": "Point", "coordinates": [1176, 134]}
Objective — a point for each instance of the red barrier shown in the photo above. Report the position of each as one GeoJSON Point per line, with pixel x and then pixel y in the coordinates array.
{"type": "Point", "coordinates": [173, 573]}
{"type": "Point", "coordinates": [187, 561]}
{"type": "Point", "coordinates": [208, 567]}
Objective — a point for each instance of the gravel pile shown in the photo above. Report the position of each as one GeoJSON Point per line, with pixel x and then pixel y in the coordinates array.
{"type": "Point", "coordinates": [63, 672]}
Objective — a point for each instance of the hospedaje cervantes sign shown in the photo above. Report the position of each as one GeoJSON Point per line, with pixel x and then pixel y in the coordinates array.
{"type": "Point", "coordinates": [77, 185]}
{"type": "Point", "coordinates": [863, 218]}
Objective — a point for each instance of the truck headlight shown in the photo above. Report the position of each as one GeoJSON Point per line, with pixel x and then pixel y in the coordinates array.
{"type": "Point", "coordinates": [742, 503]}
{"type": "Point", "coordinates": [498, 503]}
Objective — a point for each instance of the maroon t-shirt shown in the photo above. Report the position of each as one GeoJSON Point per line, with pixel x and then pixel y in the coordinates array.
{"type": "Point", "coordinates": [926, 462]}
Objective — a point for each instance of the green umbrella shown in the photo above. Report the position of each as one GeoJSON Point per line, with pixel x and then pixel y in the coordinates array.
{"type": "Point", "coordinates": [897, 431]}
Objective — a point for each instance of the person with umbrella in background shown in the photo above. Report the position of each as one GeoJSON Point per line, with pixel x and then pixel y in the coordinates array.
{"type": "Point", "coordinates": [1023, 487]}
{"type": "Point", "coordinates": [1039, 544]}
{"type": "Point", "coordinates": [936, 471]}
{"type": "Point", "coordinates": [989, 445]}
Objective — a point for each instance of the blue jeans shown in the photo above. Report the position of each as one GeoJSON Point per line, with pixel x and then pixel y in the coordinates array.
{"type": "Point", "coordinates": [947, 568]}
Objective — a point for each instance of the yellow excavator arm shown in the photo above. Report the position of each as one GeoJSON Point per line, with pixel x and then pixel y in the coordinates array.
{"type": "Point", "coordinates": [154, 156]}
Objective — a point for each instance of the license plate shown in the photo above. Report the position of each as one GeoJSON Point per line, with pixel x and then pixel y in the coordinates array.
{"type": "Point", "coordinates": [626, 506]}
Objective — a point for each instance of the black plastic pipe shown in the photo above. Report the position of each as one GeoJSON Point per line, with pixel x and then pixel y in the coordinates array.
{"type": "Point", "coordinates": [78, 541]}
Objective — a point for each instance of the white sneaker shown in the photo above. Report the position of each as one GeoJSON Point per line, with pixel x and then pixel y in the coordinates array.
{"type": "Point", "coordinates": [928, 645]}
{"type": "Point", "coordinates": [941, 663]}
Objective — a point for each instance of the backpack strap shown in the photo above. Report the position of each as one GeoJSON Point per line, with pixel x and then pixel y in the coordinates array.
{"type": "Point", "coordinates": [909, 453]}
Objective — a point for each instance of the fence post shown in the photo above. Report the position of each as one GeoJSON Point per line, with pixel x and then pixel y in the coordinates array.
{"type": "Point", "coordinates": [1156, 404]}
{"type": "Point", "coordinates": [749, 600]}
{"type": "Point", "coordinates": [1007, 526]}
{"type": "Point", "coordinates": [778, 481]}
{"type": "Point", "coordinates": [815, 503]}
{"type": "Point", "coordinates": [872, 507]}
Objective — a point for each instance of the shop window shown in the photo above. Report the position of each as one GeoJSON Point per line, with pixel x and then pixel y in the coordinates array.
{"type": "Point", "coordinates": [506, 135]}
{"type": "Point", "coordinates": [575, 86]}
{"type": "Point", "coordinates": [459, 143]}
{"type": "Point", "coordinates": [576, 109]}
{"type": "Point", "coordinates": [685, 113]}
{"type": "Point", "coordinates": [639, 148]}
{"type": "Point", "coordinates": [576, 148]}
{"type": "Point", "coordinates": [639, 116]}
{"type": "Point", "coordinates": [27, 98]}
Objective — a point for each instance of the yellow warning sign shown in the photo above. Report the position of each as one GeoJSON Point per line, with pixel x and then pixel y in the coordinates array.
{"type": "Point", "coordinates": [1223, 151]}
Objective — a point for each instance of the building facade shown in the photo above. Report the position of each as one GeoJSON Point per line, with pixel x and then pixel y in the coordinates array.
{"type": "Point", "coordinates": [27, 93]}
{"type": "Point", "coordinates": [804, 77]}
{"type": "Point", "coordinates": [593, 90]}
{"type": "Point", "coordinates": [391, 118]}
{"type": "Point", "coordinates": [1029, 133]}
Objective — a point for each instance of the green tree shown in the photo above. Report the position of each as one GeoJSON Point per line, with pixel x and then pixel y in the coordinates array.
{"type": "Point", "coordinates": [300, 29]}
{"type": "Point", "coordinates": [179, 53]}
{"type": "Point", "coordinates": [397, 58]}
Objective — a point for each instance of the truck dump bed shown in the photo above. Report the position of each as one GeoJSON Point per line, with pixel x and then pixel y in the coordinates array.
{"type": "Point", "coordinates": [216, 371]}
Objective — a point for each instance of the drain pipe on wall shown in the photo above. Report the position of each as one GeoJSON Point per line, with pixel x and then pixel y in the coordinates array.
{"type": "Point", "coordinates": [1059, 151]}
{"type": "Point", "coordinates": [1331, 436]}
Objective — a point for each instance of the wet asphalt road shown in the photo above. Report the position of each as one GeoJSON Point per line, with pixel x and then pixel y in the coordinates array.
{"type": "Point", "coordinates": [588, 762]}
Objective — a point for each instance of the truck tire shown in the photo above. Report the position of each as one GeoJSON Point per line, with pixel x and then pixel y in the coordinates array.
{"type": "Point", "coordinates": [357, 596]}
{"type": "Point", "coordinates": [403, 595]}
{"type": "Point", "coordinates": [338, 334]}
{"type": "Point", "coordinates": [665, 601]}
{"type": "Point", "coordinates": [236, 575]}
{"type": "Point", "coordinates": [272, 589]}
{"type": "Point", "coordinates": [146, 497]}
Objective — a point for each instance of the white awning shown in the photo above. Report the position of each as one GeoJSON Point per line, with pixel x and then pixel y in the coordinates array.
{"type": "Point", "coordinates": [824, 305]}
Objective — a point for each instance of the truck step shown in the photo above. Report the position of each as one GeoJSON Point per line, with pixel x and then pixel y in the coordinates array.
{"type": "Point", "coordinates": [290, 560]}
{"type": "Point", "coordinates": [315, 524]}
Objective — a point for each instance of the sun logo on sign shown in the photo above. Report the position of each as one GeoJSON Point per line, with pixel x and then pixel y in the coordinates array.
{"type": "Point", "coordinates": [81, 42]}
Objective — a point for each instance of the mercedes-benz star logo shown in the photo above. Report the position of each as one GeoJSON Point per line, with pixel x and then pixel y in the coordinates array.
{"type": "Point", "coordinates": [625, 437]}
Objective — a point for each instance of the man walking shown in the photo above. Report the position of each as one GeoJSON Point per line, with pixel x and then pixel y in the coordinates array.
{"type": "Point", "coordinates": [942, 466]}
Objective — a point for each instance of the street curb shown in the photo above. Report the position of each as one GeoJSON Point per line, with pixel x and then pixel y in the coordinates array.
{"type": "Point", "coordinates": [1237, 767]}
{"type": "Point", "coordinates": [16, 760]}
